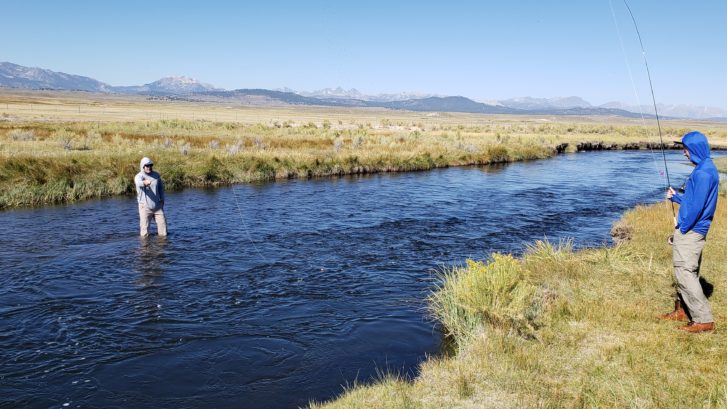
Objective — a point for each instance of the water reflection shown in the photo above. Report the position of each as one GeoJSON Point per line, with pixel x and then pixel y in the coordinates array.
{"type": "Point", "coordinates": [151, 260]}
{"type": "Point", "coordinates": [493, 169]}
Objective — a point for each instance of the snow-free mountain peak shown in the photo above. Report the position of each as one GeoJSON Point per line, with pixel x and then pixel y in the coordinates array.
{"type": "Point", "coordinates": [179, 84]}
{"type": "Point", "coordinates": [546, 103]}
{"type": "Point", "coordinates": [18, 76]}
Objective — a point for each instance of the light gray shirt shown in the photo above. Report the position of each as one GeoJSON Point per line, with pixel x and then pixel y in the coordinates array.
{"type": "Point", "coordinates": [151, 196]}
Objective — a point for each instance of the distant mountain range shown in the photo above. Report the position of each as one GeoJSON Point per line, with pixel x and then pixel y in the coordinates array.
{"type": "Point", "coordinates": [679, 111]}
{"type": "Point", "coordinates": [185, 88]}
{"type": "Point", "coordinates": [18, 76]}
{"type": "Point", "coordinates": [353, 93]}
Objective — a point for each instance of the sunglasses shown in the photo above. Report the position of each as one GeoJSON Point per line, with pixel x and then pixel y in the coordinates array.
{"type": "Point", "coordinates": [148, 166]}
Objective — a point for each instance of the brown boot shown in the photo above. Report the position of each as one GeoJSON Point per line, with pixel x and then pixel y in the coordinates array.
{"type": "Point", "coordinates": [677, 315]}
{"type": "Point", "coordinates": [694, 327]}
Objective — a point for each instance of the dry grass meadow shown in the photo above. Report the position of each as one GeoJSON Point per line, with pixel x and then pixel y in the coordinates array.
{"type": "Point", "coordinates": [62, 147]}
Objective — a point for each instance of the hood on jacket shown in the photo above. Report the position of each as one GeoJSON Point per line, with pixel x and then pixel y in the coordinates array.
{"type": "Point", "coordinates": [697, 145]}
{"type": "Point", "coordinates": [147, 161]}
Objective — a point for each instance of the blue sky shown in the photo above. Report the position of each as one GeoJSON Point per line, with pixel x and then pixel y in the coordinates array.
{"type": "Point", "coordinates": [480, 49]}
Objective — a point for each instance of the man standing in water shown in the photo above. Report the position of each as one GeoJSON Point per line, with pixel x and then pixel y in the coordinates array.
{"type": "Point", "coordinates": [150, 195]}
{"type": "Point", "coordinates": [696, 210]}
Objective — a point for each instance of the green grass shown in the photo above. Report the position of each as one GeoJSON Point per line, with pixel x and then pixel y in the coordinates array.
{"type": "Point", "coordinates": [560, 328]}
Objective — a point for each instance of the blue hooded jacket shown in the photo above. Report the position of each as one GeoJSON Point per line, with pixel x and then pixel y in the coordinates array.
{"type": "Point", "coordinates": [699, 201]}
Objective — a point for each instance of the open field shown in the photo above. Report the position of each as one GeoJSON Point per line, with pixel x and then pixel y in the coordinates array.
{"type": "Point", "coordinates": [62, 147]}
{"type": "Point", "coordinates": [565, 329]}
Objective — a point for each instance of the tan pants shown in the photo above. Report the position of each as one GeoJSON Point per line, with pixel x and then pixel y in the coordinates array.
{"type": "Point", "coordinates": [145, 216]}
{"type": "Point", "coordinates": [687, 256]}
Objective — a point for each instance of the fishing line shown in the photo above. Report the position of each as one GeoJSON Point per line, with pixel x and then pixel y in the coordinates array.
{"type": "Point", "coordinates": [252, 243]}
{"type": "Point", "coordinates": [244, 225]}
{"type": "Point", "coordinates": [653, 100]}
{"type": "Point", "coordinates": [654, 160]}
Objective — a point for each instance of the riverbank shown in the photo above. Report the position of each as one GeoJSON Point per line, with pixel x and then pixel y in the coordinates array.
{"type": "Point", "coordinates": [563, 328]}
{"type": "Point", "coordinates": [102, 163]}
{"type": "Point", "coordinates": [65, 147]}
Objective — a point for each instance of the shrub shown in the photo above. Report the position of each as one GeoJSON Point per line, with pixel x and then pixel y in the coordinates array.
{"type": "Point", "coordinates": [215, 172]}
{"type": "Point", "coordinates": [498, 154]}
{"type": "Point", "coordinates": [174, 176]}
{"type": "Point", "coordinates": [65, 138]}
{"type": "Point", "coordinates": [486, 294]}
{"type": "Point", "coordinates": [22, 135]}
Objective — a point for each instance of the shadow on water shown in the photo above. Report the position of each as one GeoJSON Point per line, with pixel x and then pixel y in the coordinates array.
{"type": "Point", "coordinates": [282, 292]}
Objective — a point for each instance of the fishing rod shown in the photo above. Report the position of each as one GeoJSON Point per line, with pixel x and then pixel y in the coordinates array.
{"type": "Point", "coordinates": [653, 100]}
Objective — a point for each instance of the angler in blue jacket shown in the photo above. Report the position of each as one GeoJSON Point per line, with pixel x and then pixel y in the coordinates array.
{"type": "Point", "coordinates": [696, 210]}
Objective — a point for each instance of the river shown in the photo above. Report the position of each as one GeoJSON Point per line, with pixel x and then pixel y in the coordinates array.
{"type": "Point", "coordinates": [272, 295]}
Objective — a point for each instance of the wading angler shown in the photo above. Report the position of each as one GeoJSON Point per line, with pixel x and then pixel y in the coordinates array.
{"type": "Point", "coordinates": [150, 195]}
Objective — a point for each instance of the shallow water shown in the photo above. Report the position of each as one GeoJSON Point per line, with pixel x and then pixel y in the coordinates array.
{"type": "Point", "coordinates": [268, 296]}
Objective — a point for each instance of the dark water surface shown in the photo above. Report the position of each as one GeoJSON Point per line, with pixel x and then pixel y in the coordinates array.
{"type": "Point", "coordinates": [302, 288]}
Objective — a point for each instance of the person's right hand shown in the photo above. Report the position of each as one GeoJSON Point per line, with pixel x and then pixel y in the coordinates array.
{"type": "Point", "coordinates": [670, 193]}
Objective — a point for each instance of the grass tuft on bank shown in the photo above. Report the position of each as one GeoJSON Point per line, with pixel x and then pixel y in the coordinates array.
{"type": "Point", "coordinates": [560, 328]}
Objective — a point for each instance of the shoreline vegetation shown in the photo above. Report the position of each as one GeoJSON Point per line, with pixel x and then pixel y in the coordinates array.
{"type": "Point", "coordinates": [560, 328]}
{"type": "Point", "coordinates": [64, 147]}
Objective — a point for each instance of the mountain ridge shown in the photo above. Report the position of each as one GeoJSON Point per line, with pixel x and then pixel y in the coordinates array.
{"type": "Point", "coordinates": [18, 76]}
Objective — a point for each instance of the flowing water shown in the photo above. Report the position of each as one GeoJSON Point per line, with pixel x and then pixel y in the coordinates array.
{"type": "Point", "coordinates": [272, 295]}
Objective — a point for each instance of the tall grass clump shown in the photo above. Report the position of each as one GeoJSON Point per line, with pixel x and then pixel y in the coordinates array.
{"type": "Point", "coordinates": [544, 257]}
{"type": "Point", "coordinates": [22, 135]}
{"type": "Point", "coordinates": [495, 294]}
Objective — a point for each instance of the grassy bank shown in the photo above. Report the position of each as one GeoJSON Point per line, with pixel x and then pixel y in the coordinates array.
{"type": "Point", "coordinates": [43, 163]}
{"type": "Point", "coordinates": [58, 148]}
{"type": "Point", "coordinates": [562, 328]}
